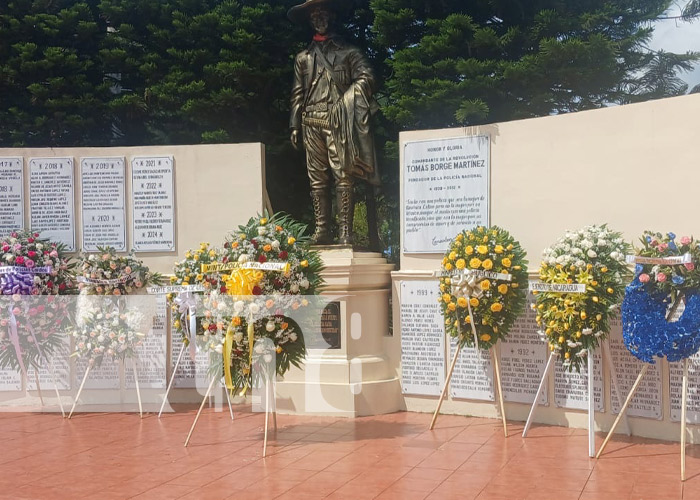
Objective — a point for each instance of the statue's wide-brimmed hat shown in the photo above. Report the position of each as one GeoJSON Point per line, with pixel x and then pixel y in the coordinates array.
{"type": "Point", "coordinates": [300, 13]}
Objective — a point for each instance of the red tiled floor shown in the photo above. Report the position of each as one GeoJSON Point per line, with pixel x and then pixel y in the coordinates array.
{"type": "Point", "coordinates": [119, 456]}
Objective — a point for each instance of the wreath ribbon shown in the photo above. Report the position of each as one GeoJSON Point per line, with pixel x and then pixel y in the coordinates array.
{"type": "Point", "coordinates": [187, 305]}
{"type": "Point", "coordinates": [14, 340]}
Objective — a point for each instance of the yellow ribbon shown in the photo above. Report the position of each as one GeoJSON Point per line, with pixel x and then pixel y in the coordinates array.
{"type": "Point", "coordinates": [242, 281]}
{"type": "Point", "coordinates": [228, 347]}
{"type": "Point", "coordinates": [251, 340]}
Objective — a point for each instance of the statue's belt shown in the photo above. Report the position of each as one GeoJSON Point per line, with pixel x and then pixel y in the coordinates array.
{"type": "Point", "coordinates": [316, 122]}
{"type": "Point", "coordinates": [321, 106]}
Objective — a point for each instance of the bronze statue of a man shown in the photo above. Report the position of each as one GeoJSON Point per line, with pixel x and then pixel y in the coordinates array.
{"type": "Point", "coordinates": [331, 107]}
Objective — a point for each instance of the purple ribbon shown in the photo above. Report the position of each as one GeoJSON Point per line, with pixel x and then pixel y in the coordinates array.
{"type": "Point", "coordinates": [31, 331]}
{"type": "Point", "coordinates": [16, 283]}
{"type": "Point", "coordinates": [14, 339]}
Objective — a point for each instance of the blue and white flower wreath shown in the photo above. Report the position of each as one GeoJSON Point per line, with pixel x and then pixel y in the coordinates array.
{"type": "Point", "coordinates": [658, 288]}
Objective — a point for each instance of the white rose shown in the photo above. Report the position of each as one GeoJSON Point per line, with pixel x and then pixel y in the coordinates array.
{"type": "Point", "coordinates": [276, 245]}
{"type": "Point", "coordinates": [238, 306]}
{"type": "Point", "coordinates": [294, 288]}
{"type": "Point", "coordinates": [267, 358]}
{"type": "Point", "coordinates": [9, 257]}
{"type": "Point", "coordinates": [560, 259]}
{"type": "Point", "coordinates": [219, 348]}
{"type": "Point", "coordinates": [243, 258]}
{"type": "Point", "coordinates": [602, 243]}
{"type": "Point", "coordinates": [238, 337]}
{"type": "Point", "coordinates": [262, 231]}
{"type": "Point", "coordinates": [592, 254]}
{"type": "Point", "coordinates": [293, 337]}
{"type": "Point", "coordinates": [304, 283]}
{"type": "Point", "coordinates": [270, 326]}
{"type": "Point", "coordinates": [259, 349]}
{"type": "Point", "coordinates": [254, 308]}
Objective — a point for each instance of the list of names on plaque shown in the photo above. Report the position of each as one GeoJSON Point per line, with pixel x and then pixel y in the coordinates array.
{"type": "Point", "coordinates": [647, 399]}
{"type": "Point", "coordinates": [51, 200]}
{"type": "Point", "coordinates": [105, 376]}
{"type": "Point", "coordinates": [11, 194]}
{"type": "Point", "coordinates": [153, 199]}
{"type": "Point", "coordinates": [60, 359]}
{"type": "Point", "coordinates": [523, 359]}
{"type": "Point", "coordinates": [10, 380]}
{"type": "Point", "coordinates": [472, 377]}
{"type": "Point", "coordinates": [152, 354]}
{"type": "Point", "coordinates": [446, 189]}
{"type": "Point", "coordinates": [103, 205]}
{"type": "Point", "coordinates": [571, 387]}
{"type": "Point", "coordinates": [675, 383]}
{"type": "Point", "coordinates": [422, 339]}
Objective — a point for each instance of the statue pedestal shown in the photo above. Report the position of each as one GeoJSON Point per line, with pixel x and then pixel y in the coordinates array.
{"type": "Point", "coordinates": [354, 377]}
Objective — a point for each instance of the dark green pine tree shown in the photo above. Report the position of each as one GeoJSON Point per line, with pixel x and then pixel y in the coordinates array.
{"type": "Point", "coordinates": [52, 90]}
{"type": "Point", "coordinates": [208, 71]}
{"type": "Point", "coordinates": [455, 63]}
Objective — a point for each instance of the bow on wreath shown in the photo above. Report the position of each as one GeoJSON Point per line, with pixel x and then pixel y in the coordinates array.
{"type": "Point", "coordinates": [17, 283]}
{"type": "Point", "coordinates": [468, 285]}
{"type": "Point", "coordinates": [187, 305]}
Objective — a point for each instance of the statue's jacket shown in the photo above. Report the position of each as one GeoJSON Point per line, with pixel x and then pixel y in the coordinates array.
{"type": "Point", "coordinates": [333, 80]}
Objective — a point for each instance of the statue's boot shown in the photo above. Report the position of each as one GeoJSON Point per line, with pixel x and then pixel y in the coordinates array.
{"type": "Point", "coordinates": [346, 211]}
{"type": "Point", "coordinates": [321, 199]}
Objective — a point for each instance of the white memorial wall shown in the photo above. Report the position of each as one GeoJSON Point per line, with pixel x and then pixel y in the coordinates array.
{"type": "Point", "coordinates": [147, 199]}
{"type": "Point", "coordinates": [525, 165]}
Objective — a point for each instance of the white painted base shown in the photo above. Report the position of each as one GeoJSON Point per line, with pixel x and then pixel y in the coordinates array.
{"type": "Point", "coordinates": [358, 379]}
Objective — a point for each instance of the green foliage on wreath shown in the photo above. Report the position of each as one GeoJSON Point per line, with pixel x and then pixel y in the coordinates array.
{"type": "Point", "coordinates": [575, 322]}
{"type": "Point", "coordinates": [495, 303]}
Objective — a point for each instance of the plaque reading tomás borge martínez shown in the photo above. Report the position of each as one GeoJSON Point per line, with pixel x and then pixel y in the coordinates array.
{"type": "Point", "coordinates": [103, 205]}
{"type": "Point", "coordinates": [11, 194]}
{"type": "Point", "coordinates": [446, 190]}
{"type": "Point", "coordinates": [51, 200]}
{"type": "Point", "coordinates": [153, 199]}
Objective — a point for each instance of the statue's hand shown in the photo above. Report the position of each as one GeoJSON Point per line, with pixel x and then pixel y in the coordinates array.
{"type": "Point", "coordinates": [295, 139]}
